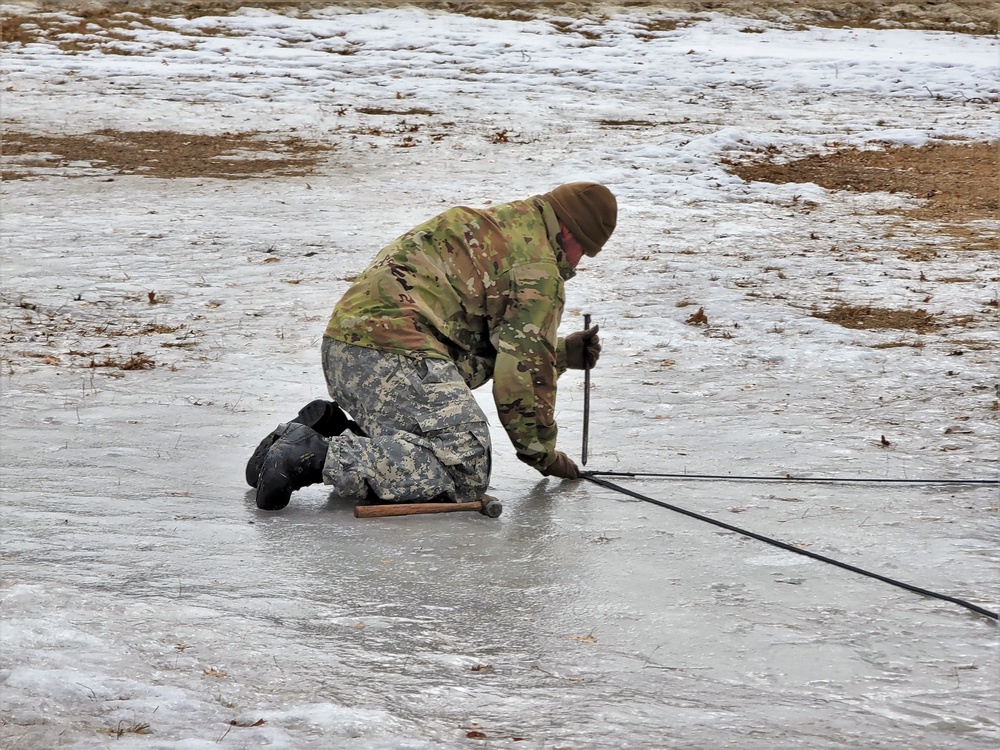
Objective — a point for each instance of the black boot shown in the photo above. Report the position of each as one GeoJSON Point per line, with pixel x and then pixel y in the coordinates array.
{"type": "Point", "coordinates": [325, 417]}
{"type": "Point", "coordinates": [294, 461]}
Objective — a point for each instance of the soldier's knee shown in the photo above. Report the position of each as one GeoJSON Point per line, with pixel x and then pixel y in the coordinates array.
{"type": "Point", "coordinates": [472, 474]}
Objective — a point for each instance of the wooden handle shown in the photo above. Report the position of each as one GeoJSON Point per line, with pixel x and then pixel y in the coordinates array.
{"type": "Point", "coordinates": [413, 509]}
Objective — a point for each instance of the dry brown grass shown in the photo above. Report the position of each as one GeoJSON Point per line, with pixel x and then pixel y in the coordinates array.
{"type": "Point", "coordinates": [957, 180]}
{"type": "Point", "coordinates": [74, 337]}
{"type": "Point", "coordinates": [166, 154]}
{"type": "Point", "coordinates": [124, 728]}
{"type": "Point", "coordinates": [915, 344]}
{"type": "Point", "coordinates": [964, 16]}
{"type": "Point", "coordinates": [627, 123]}
{"type": "Point", "coordinates": [136, 361]}
{"type": "Point", "coordinates": [400, 112]}
{"type": "Point", "coordinates": [81, 31]}
{"type": "Point", "coordinates": [880, 318]}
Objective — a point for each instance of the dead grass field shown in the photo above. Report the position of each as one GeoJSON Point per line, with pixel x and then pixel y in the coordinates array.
{"type": "Point", "coordinates": [860, 317]}
{"type": "Point", "coordinates": [957, 183]}
{"type": "Point", "coordinates": [958, 180]}
{"type": "Point", "coordinates": [963, 16]}
{"type": "Point", "coordinates": [166, 154]}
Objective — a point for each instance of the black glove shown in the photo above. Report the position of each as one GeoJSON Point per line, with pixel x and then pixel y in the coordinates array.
{"type": "Point", "coordinates": [583, 349]}
{"type": "Point", "coordinates": [563, 467]}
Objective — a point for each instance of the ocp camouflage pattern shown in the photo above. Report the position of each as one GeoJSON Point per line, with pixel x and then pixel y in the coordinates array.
{"type": "Point", "coordinates": [483, 289]}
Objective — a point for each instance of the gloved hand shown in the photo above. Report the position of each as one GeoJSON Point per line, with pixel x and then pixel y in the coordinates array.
{"type": "Point", "coordinates": [562, 467]}
{"type": "Point", "coordinates": [583, 349]}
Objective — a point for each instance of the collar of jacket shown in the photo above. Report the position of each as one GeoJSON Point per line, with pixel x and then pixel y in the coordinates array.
{"type": "Point", "coordinates": [552, 230]}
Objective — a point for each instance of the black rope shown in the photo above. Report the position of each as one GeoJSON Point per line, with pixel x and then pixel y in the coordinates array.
{"type": "Point", "coordinates": [790, 478]}
{"type": "Point", "coordinates": [591, 476]}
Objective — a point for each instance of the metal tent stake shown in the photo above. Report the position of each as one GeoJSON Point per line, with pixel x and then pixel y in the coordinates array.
{"type": "Point", "coordinates": [586, 397]}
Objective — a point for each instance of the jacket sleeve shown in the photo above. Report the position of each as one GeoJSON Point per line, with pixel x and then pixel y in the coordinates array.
{"type": "Point", "coordinates": [561, 365]}
{"type": "Point", "coordinates": [524, 377]}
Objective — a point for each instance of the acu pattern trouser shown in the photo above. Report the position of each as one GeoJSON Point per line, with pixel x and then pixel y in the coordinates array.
{"type": "Point", "coordinates": [427, 438]}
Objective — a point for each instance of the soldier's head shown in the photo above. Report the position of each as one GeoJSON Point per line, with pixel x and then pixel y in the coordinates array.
{"type": "Point", "coordinates": [588, 210]}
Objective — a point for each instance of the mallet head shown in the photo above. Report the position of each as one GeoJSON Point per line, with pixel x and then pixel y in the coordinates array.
{"type": "Point", "coordinates": [491, 507]}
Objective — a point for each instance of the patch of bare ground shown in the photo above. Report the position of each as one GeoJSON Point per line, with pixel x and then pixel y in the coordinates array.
{"type": "Point", "coordinates": [385, 111]}
{"type": "Point", "coordinates": [81, 31]}
{"type": "Point", "coordinates": [135, 361]}
{"type": "Point", "coordinates": [958, 180]}
{"type": "Point", "coordinates": [619, 124]}
{"type": "Point", "coordinates": [958, 185]}
{"type": "Point", "coordinates": [98, 336]}
{"type": "Point", "coordinates": [913, 343]}
{"type": "Point", "coordinates": [880, 318]}
{"type": "Point", "coordinates": [963, 16]}
{"type": "Point", "coordinates": [159, 153]}
{"type": "Point", "coordinates": [966, 16]}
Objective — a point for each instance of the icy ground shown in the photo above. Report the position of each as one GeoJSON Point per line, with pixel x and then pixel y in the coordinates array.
{"type": "Point", "coordinates": [148, 604]}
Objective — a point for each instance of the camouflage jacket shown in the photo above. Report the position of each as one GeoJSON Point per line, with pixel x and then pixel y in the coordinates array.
{"type": "Point", "coordinates": [483, 288]}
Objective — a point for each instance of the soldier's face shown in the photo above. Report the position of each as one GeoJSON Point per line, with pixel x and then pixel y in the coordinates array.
{"type": "Point", "coordinates": [570, 246]}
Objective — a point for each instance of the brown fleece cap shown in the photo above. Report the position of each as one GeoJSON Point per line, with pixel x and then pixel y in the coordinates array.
{"type": "Point", "coordinates": [588, 210]}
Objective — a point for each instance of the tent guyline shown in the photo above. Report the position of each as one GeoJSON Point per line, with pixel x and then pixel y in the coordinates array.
{"type": "Point", "coordinates": [789, 478]}
{"type": "Point", "coordinates": [594, 476]}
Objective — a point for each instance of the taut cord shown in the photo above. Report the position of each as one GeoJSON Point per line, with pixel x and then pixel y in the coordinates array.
{"type": "Point", "coordinates": [592, 476]}
{"type": "Point", "coordinates": [789, 478]}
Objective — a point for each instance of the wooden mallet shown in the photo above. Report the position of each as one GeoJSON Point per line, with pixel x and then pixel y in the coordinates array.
{"type": "Point", "coordinates": [488, 506]}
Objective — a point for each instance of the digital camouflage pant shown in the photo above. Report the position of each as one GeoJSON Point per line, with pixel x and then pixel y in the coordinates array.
{"type": "Point", "coordinates": [426, 437]}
